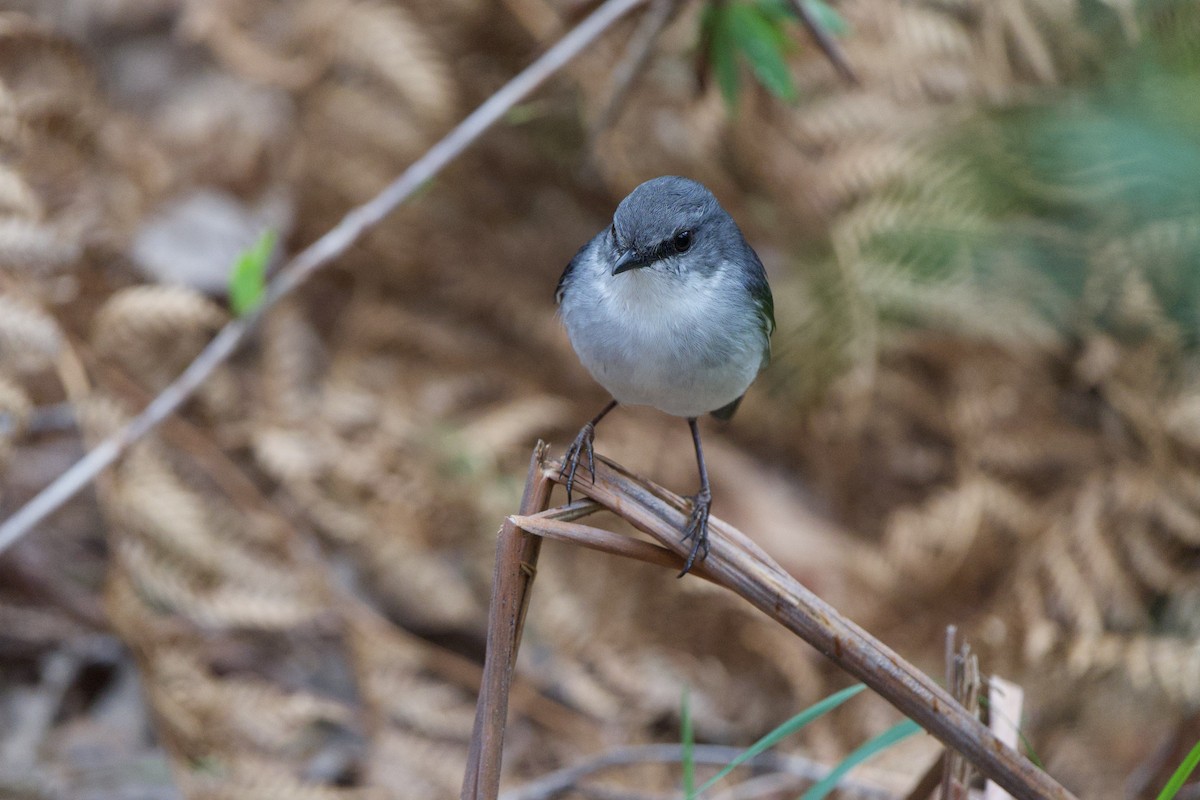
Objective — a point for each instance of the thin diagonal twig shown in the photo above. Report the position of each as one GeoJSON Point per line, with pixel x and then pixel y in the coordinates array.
{"type": "Point", "coordinates": [318, 254]}
{"type": "Point", "coordinates": [825, 41]}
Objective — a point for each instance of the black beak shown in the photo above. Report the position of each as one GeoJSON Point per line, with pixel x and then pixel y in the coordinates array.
{"type": "Point", "coordinates": [630, 259]}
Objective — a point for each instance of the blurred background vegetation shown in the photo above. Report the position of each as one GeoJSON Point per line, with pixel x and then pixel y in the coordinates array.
{"type": "Point", "coordinates": [984, 408]}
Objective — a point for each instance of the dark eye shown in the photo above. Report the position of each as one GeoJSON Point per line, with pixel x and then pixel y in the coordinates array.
{"type": "Point", "coordinates": [682, 241]}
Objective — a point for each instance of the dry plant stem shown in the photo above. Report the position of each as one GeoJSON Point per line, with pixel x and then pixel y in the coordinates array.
{"type": "Point", "coordinates": [606, 542]}
{"type": "Point", "coordinates": [950, 762]}
{"type": "Point", "coordinates": [516, 565]}
{"type": "Point", "coordinates": [637, 53]}
{"type": "Point", "coordinates": [331, 245]}
{"type": "Point", "coordinates": [570, 512]}
{"type": "Point", "coordinates": [827, 43]}
{"type": "Point", "coordinates": [738, 567]}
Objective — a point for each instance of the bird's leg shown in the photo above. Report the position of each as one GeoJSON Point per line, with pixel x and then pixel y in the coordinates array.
{"type": "Point", "coordinates": [697, 527]}
{"type": "Point", "coordinates": [582, 444]}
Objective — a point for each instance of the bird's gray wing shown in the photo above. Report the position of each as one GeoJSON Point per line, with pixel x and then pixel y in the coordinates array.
{"type": "Point", "coordinates": [565, 279]}
{"type": "Point", "coordinates": [760, 293]}
{"type": "Point", "coordinates": [764, 304]}
{"type": "Point", "coordinates": [725, 413]}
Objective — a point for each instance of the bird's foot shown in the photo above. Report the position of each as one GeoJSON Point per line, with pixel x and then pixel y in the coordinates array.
{"type": "Point", "coordinates": [697, 529]}
{"type": "Point", "coordinates": [582, 444]}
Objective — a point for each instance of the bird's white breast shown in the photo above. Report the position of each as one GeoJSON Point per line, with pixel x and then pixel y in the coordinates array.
{"type": "Point", "coordinates": [686, 345]}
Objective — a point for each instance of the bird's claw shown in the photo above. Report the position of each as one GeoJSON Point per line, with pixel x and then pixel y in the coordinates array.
{"type": "Point", "coordinates": [697, 530]}
{"type": "Point", "coordinates": [583, 443]}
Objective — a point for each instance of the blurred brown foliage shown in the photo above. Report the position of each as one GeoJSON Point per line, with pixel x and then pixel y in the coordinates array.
{"type": "Point", "coordinates": [295, 572]}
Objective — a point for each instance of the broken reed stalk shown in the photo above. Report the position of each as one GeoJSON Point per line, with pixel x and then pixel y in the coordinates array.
{"type": "Point", "coordinates": [962, 681]}
{"type": "Point", "coordinates": [738, 564]}
{"type": "Point", "coordinates": [516, 565]}
{"type": "Point", "coordinates": [1005, 700]}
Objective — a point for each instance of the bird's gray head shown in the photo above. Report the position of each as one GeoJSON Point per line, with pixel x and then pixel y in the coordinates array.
{"type": "Point", "coordinates": [671, 223]}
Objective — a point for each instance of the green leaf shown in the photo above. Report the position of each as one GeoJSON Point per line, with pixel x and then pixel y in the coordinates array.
{"type": "Point", "coordinates": [1182, 773]}
{"type": "Point", "coordinates": [777, 10]}
{"type": "Point", "coordinates": [689, 745]}
{"type": "Point", "coordinates": [783, 731]}
{"type": "Point", "coordinates": [883, 741]}
{"type": "Point", "coordinates": [722, 51]}
{"type": "Point", "coordinates": [248, 280]}
{"type": "Point", "coordinates": [778, 15]}
{"type": "Point", "coordinates": [762, 44]}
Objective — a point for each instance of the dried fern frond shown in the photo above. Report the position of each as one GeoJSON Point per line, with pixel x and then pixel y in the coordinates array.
{"type": "Point", "coordinates": [42, 68]}
{"type": "Point", "coordinates": [1151, 663]}
{"type": "Point", "coordinates": [257, 714]}
{"type": "Point", "coordinates": [35, 247]}
{"type": "Point", "coordinates": [154, 331]}
{"type": "Point", "coordinates": [956, 535]}
{"type": "Point", "coordinates": [831, 119]}
{"type": "Point", "coordinates": [17, 197]}
{"type": "Point", "coordinates": [243, 37]}
{"type": "Point", "coordinates": [15, 406]}
{"type": "Point", "coordinates": [180, 548]}
{"type": "Point", "coordinates": [387, 131]}
{"type": "Point", "coordinates": [237, 776]}
{"type": "Point", "coordinates": [30, 339]}
{"type": "Point", "coordinates": [863, 170]}
{"type": "Point", "coordinates": [384, 42]}
{"type": "Point", "coordinates": [254, 124]}
{"type": "Point", "coordinates": [403, 762]}
{"type": "Point", "coordinates": [280, 602]}
{"type": "Point", "coordinates": [294, 362]}
{"type": "Point", "coordinates": [396, 682]}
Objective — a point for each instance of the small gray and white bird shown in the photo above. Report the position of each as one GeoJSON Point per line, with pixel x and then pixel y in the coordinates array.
{"type": "Point", "coordinates": [668, 307]}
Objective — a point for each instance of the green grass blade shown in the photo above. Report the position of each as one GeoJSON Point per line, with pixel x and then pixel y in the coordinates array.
{"type": "Point", "coordinates": [783, 731]}
{"type": "Point", "coordinates": [1028, 745]}
{"type": "Point", "coordinates": [248, 279]}
{"type": "Point", "coordinates": [1182, 773]}
{"type": "Point", "coordinates": [883, 741]}
{"type": "Point", "coordinates": [688, 745]}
